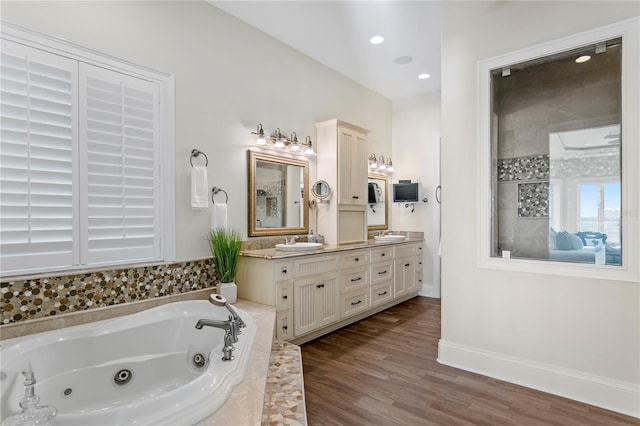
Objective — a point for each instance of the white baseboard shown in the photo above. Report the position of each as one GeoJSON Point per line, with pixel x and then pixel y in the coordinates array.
{"type": "Point", "coordinates": [614, 395]}
{"type": "Point", "coordinates": [429, 290]}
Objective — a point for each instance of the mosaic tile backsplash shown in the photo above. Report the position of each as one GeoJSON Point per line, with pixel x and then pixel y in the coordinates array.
{"type": "Point", "coordinates": [44, 297]}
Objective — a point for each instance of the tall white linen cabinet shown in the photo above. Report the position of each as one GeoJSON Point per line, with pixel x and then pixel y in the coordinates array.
{"type": "Point", "coordinates": [342, 162]}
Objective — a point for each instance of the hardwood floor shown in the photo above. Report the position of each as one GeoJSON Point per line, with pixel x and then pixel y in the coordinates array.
{"type": "Point", "coordinates": [383, 371]}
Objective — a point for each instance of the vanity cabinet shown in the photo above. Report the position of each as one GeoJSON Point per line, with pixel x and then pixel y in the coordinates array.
{"type": "Point", "coordinates": [342, 162]}
{"type": "Point", "coordinates": [318, 293]}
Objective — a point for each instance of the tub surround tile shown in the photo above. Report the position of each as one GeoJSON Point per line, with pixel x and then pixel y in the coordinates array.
{"type": "Point", "coordinates": [30, 299]}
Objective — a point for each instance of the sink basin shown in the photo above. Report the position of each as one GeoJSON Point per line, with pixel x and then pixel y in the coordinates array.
{"type": "Point", "coordinates": [298, 247]}
{"type": "Point", "coordinates": [390, 237]}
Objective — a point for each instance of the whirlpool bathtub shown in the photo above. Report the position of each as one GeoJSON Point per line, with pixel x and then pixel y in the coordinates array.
{"type": "Point", "coordinates": [153, 367]}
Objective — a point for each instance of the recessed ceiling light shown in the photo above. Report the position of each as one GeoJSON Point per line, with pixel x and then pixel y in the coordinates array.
{"type": "Point", "coordinates": [401, 60]}
{"type": "Point", "coordinates": [582, 59]}
{"type": "Point", "coordinates": [423, 76]}
{"type": "Point", "coordinates": [376, 39]}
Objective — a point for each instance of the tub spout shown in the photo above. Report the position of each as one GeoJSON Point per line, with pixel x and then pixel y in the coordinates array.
{"type": "Point", "coordinates": [231, 330]}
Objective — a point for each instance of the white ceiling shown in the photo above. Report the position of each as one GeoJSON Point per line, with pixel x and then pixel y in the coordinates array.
{"type": "Point", "coordinates": [337, 33]}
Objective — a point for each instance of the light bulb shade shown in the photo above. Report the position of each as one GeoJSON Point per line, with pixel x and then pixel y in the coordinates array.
{"type": "Point", "coordinates": [261, 138]}
{"type": "Point", "coordinates": [309, 146]}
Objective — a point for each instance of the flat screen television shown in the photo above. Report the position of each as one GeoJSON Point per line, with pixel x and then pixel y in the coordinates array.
{"type": "Point", "coordinates": [406, 192]}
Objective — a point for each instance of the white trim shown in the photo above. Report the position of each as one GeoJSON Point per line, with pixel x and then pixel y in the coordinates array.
{"type": "Point", "coordinates": [630, 269]}
{"type": "Point", "coordinates": [622, 397]}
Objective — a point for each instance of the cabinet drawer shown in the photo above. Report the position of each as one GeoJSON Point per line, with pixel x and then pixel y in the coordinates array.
{"type": "Point", "coordinates": [354, 278]}
{"type": "Point", "coordinates": [382, 293]}
{"type": "Point", "coordinates": [381, 271]}
{"type": "Point", "coordinates": [354, 302]}
{"type": "Point", "coordinates": [283, 271]}
{"type": "Point", "coordinates": [404, 250]}
{"type": "Point", "coordinates": [381, 254]}
{"type": "Point", "coordinates": [315, 265]}
{"type": "Point", "coordinates": [284, 325]}
{"type": "Point", "coordinates": [284, 295]}
{"type": "Point", "coordinates": [355, 258]}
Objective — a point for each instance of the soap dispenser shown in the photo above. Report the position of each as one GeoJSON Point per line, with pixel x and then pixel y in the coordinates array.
{"type": "Point", "coordinates": [311, 238]}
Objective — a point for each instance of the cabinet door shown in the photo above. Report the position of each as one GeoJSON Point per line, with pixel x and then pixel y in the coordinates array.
{"type": "Point", "coordinates": [404, 276]}
{"type": "Point", "coordinates": [352, 167]}
{"type": "Point", "coordinates": [316, 302]}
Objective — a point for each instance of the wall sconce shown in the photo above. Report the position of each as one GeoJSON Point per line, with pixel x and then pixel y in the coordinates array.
{"type": "Point", "coordinates": [279, 141]}
{"type": "Point", "coordinates": [379, 164]}
{"type": "Point", "coordinates": [261, 138]}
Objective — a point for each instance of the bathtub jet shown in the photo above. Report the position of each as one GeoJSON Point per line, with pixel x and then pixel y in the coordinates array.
{"type": "Point", "coordinates": [78, 367]}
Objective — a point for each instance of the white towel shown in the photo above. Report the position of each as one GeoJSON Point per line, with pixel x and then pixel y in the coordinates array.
{"type": "Point", "coordinates": [199, 188]}
{"type": "Point", "coordinates": [219, 216]}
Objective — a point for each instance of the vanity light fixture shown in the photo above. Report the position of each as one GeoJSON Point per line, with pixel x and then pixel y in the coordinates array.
{"type": "Point", "coordinates": [380, 164]}
{"type": "Point", "coordinates": [279, 141]}
{"type": "Point", "coordinates": [261, 138]}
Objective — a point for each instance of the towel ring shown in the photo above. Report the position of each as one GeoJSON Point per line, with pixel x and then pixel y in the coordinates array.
{"type": "Point", "coordinates": [215, 190]}
{"type": "Point", "coordinates": [195, 153]}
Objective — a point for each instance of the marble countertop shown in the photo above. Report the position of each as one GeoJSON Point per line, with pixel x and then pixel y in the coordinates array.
{"type": "Point", "coordinates": [272, 253]}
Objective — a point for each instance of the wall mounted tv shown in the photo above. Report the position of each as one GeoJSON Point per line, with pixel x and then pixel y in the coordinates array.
{"type": "Point", "coordinates": [406, 192]}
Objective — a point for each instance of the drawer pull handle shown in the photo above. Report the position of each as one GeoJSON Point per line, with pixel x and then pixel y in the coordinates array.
{"type": "Point", "coordinates": [407, 264]}
{"type": "Point", "coordinates": [284, 271]}
{"type": "Point", "coordinates": [383, 272]}
{"type": "Point", "coordinates": [382, 294]}
{"type": "Point", "coordinates": [356, 279]}
{"type": "Point", "coordinates": [320, 286]}
{"type": "Point", "coordinates": [356, 303]}
{"type": "Point", "coordinates": [355, 197]}
{"type": "Point", "coordinates": [357, 259]}
{"type": "Point", "coordinates": [285, 297]}
{"type": "Point", "coordinates": [383, 254]}
{"type": "Point", "coordinates": [284, 327]}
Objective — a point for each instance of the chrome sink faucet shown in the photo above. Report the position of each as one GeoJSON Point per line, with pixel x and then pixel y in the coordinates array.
{"type": "Point", "coordinates": [292, 240]}
{"type": "Point", "coordinates": [230, 328]}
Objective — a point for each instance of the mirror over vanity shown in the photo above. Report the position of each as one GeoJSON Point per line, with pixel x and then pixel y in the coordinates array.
{"type": "Point", "coordinates": [278, 195]}
{"type": "Point", "coordinates": [378, 202]}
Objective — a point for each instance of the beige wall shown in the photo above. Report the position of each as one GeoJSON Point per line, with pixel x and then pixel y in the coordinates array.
{"type": "Point", "coordinates": [229, 77]}
{"type": "Point", "coordinates": [574, 336]}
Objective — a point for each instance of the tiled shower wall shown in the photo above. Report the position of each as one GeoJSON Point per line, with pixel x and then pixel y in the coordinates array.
{"type": "Point", "coordinates": [530, 104]}
{"type": "Point", "coordinates": [44, 297]}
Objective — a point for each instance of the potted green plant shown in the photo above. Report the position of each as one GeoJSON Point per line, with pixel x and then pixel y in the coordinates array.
{"type": "Point", "coordinates": [225, 249]}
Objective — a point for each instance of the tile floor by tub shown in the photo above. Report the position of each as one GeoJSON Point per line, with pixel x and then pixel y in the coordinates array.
{"type": "Point", "coordinates": [284, 393]}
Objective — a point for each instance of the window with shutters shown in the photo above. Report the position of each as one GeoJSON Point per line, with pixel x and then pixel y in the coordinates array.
{"type": "Point", "coordinates": [80, 156]}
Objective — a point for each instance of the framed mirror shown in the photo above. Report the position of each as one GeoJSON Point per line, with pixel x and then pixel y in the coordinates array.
{"type": "Point", "coordinates": [378, 202]}
{"type": "Point", "coordinates": [278, 200]}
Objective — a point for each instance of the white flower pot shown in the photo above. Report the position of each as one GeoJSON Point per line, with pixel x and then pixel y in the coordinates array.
{"type": "Point", "coordinates": [228, 290]}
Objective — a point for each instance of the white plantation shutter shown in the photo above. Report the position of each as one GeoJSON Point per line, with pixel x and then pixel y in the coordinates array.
{"type": "Point", "coordinates": [120, 195]}
{"type": "Point", "coordinates": [79, 160]}
{"type": "Point", "coordinates": [38, 101]}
